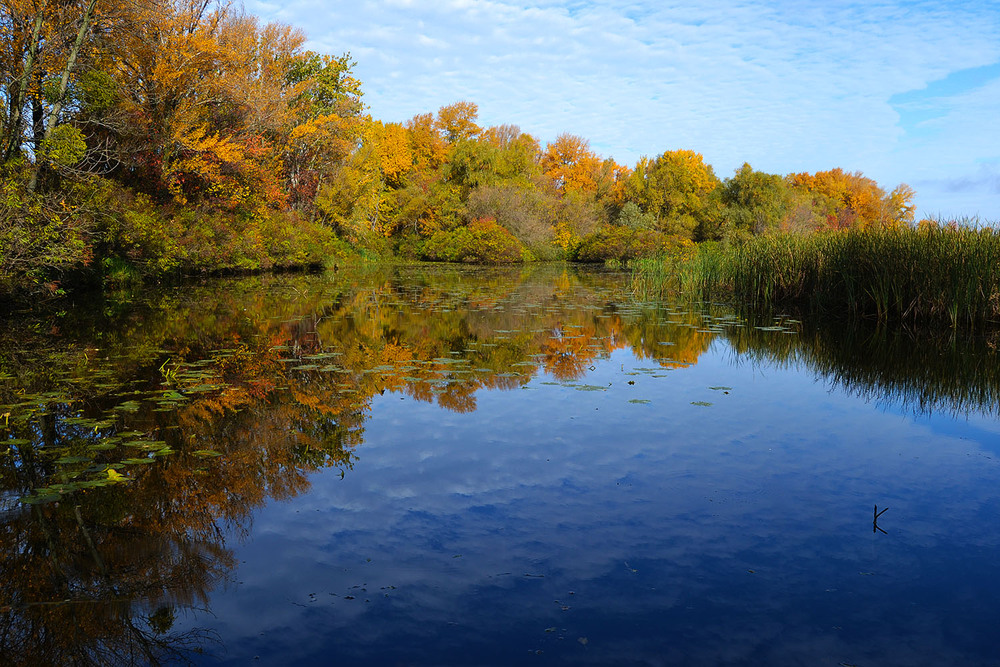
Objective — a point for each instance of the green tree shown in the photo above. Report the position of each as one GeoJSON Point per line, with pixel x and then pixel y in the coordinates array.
{"type": "Point", "coordinates": [753, 202]}
{"type": "Point", "coordinates": [675, 188]}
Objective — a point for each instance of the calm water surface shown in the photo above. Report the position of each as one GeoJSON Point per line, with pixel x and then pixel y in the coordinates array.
{"type": "Point", "coordinates": [444, 466]}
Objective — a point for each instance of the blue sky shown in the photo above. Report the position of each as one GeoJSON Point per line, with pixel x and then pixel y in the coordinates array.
{"type": "Point", "coordinates": [902, 91]}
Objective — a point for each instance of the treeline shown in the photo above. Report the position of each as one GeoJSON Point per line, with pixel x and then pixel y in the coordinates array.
{"type": "Point", "coordinates": [143, 138]}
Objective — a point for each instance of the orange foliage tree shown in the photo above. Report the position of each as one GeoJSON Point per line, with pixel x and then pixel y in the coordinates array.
{"type": "Point", "coordinates": [850, 199]}
{"type": "Point", "coordinates": [571, 165]}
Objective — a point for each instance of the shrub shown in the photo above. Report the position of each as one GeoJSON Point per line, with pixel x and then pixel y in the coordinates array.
{"type": "Point", "coordinates": [625, 243]}
{"type": "Point", "coordinates": [42, 236]}
{"type": "Point", "coordinates": [525, 212]}
{"type": "Point", "coordinates": [483, 241]}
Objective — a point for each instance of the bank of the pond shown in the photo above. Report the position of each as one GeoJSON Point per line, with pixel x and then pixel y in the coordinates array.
{"type": "Point", "coordinates": [933, 274]}
{"type": "Point", "coordinates": [94, 235]}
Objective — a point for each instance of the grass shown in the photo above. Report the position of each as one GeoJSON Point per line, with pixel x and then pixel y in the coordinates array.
{"type": "Point", "coordinates": [934, 274]}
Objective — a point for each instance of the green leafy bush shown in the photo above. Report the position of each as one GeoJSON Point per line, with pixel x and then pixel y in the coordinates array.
{"type": "Point", "coordinates": [482, 241]}
{"type": "Point", "coordinates": [625, 243]}
{"type": "Point", "coordinates": [43, 237]}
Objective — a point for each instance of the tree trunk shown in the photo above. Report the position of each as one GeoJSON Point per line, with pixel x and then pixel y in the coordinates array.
{"type": "Point", "coordinates": [57, 105]}
{"type": "Point", "coordinates": [12, 143]}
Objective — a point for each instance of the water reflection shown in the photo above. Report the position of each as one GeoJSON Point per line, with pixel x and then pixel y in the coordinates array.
{"type": "Point", "coordinates": [924, 372]}
{"type": "Point", "coordinates": [145, 442]}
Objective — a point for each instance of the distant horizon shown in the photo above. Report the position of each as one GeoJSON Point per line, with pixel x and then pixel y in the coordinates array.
{"type": "Point", "coordinates": [905, 92]}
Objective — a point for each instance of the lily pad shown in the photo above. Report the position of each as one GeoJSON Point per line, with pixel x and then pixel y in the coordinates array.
{"type": "Point", "coordinates": [40, 500]}
{"type": "Point", "coordinates": [72, 459]}
{"type": "Point", "coordinates": [206, 453]}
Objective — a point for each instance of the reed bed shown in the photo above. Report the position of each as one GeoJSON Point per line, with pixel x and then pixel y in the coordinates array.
{"type": "Point", "coordinates": [933, 274]}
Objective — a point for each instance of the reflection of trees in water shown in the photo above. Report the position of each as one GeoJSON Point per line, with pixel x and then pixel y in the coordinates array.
{"type": "Point", "coordinates": [921, 371]}
{"type": "Point", "coordinates": [95, 577]}
{"type": "Point", "coordinates": [296, 364]}
{"type": "Point", "coordinates": [81, 591]}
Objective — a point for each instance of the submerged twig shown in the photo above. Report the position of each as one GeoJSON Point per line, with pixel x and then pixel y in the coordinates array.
{"type": "Point", "coordinates": [876, 515]}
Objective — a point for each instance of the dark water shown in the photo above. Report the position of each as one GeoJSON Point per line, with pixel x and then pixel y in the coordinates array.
{"type": "Point", "coordinates": [441, 466]}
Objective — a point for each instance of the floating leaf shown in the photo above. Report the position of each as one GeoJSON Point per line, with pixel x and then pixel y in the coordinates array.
{"type": "Point", "coordinates": [40, 500]}
{"type": "Point", "coordinates": [148, 445]}
{"type": "Point", "coordinates": [702, 403]}
{"type": "Point", "coordinates": [203, 388]}
{"type": "Point", "coordinates": [206, 453]}
{"type": "Point", "coordinates": [79, 421]}
{"type": "Point", "coordinates": [72, 459]}
{"type": "Point", "coordinates": [101, 446]}
{"type": "Point", "coordinates": [94, 483]}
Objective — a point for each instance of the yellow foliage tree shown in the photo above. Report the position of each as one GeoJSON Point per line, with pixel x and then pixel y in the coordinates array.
{"type": "Point", "coordinates": [457, 121]}
{"type": "Point", "coordinates": [426, 145]}
{"type": "Point", "coordinates": [356, 197]}
{"type": "Point", "coordinates": [571, 165]}
{"type": "Point", "coordinates": [395, 157]}
{"type": "Point", "coordinates": [675, 188]}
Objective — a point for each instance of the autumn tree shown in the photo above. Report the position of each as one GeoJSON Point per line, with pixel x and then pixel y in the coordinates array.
{"type": "Point", "coordinates": [675, 188]}
{"type": "Point", "coordinates": [220, 110]}
{"type": "Point", "coordinates": [899, 209]}
{"type": "Point", "coordinates": [325, 99]}
{"type": "Point", "coordinates": [850, 199]}
{"type": "Point", "coordinates": [457, 121]}
{"type": "Point", "coordinates": [476, 163]}
{"type": "Point", "coordinates": [46, 54]}
{"type": "Point", "coordinates": [570, 164]}
{"type": "Point", "coordinates": [426, 145]}
{"type": "Point", "coordinates": [358, 199]}
{"type": "Point", "coordinates": [519, 152]}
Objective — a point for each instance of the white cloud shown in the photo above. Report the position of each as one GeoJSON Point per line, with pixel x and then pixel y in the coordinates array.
{"type": "Point", "coordinates": [786, 86]}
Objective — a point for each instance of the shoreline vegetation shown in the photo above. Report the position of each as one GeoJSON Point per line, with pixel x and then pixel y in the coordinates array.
{"type": "Point", "coordinates": [153, 141]}
{"type": "Point", "coordinates": [931, 274]}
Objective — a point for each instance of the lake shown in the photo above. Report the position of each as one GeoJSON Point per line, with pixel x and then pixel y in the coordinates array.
{"type": "Point", "coordinates": [440, 465]}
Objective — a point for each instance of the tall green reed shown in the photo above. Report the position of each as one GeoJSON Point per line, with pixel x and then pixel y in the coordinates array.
{"type": "Point", "coordinates": [935, 274]}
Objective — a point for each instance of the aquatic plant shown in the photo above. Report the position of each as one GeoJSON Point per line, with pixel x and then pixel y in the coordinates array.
{"type": "Point", "coordinates": [934, 273]}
